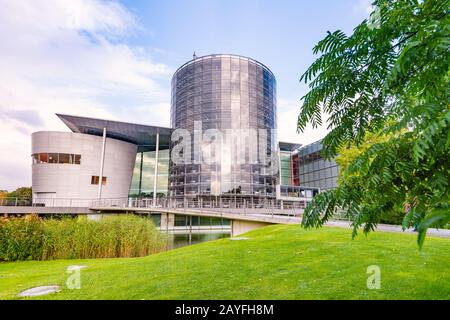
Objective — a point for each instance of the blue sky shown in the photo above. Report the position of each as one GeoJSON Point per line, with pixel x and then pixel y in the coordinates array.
{"type": "Point", "coordinates": [280, 34]}
{"type": "Point", "coordinates": [115, 59]}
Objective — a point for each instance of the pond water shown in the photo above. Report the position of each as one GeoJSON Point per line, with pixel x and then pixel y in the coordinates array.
{"type": "Point", "coordinates": [178, 239]}
{"type": "Point", "coordinates": [188, 230]}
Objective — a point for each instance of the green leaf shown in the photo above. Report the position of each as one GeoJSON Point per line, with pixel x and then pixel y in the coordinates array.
{"type": "Point", "coordinates": [436, 218]}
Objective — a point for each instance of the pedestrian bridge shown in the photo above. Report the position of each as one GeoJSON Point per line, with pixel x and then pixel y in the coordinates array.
{"type": "Point", "coordinates": [245, 214]}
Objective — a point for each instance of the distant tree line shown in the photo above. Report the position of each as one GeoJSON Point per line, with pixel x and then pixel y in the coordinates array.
{"type": "Point", "coordinates": [22, 192]}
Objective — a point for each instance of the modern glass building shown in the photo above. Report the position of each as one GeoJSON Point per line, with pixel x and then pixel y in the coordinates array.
{"type": "Point", "coordinates": [232, 94]}
{"type": "Point", "coordinates": [314, 170]}
{"type": "Point", "coordinates": [227, 106]}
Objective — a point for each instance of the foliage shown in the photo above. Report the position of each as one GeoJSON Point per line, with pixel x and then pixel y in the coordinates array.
{"type": "Point", "coordinates": [390, 77]}
{"type": "Point", "coordinates": [74, 238]}
{"type": "Point", "coordinates": [278, 262]}
{"type": "Point", "coordinates": [350, 153]}
{"type": "Point", "coordinates": [21, 238]}
{"type": "Point", "coordinates": [22, 192]}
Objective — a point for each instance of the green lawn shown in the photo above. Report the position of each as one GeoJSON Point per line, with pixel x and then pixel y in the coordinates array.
{"type": "Point", "coordinates": [278, 262]}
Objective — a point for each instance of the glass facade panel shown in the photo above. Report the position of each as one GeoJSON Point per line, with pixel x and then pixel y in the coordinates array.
{"type": "Point", "coordinates": [286, 168]}
{"type": "Point", "coordinates": [143, 181]}
{"type": "Point", "coordinates": [316, 171]}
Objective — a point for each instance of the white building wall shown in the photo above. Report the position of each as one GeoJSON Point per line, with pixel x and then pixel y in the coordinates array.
{"type": "Point", "coordinates": [73, 181]}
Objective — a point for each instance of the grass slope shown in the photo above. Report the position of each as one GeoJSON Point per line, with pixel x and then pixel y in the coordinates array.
{"type": "Point", "coordinates": [278, 262]}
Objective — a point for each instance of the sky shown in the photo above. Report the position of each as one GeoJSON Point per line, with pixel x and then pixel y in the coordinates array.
{"type": "Point", "coordinates": [115, 59]}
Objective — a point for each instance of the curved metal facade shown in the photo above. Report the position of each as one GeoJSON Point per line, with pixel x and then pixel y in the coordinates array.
{"type": "Point", "coordinates": [233, 94]}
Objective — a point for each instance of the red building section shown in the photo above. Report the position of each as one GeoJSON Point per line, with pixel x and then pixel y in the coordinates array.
{"type": "Point", "coordinates": [295, 170]}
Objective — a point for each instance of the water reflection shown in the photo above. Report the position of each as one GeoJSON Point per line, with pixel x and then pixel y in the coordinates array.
{"type": "Point", "coordinates": [185, 230]}
{"type": "Point", "coordinates": [177, 239]}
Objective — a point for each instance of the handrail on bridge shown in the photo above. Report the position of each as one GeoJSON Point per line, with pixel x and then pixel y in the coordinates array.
{"type": "Point", "coordinates": [220, 204]}
{"type": "Point", "coordinates": [215, 205]}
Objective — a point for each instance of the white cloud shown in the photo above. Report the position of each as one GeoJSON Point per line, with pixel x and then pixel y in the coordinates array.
{"type": "Point", "coordinates": [70, 57]}
{"type": "Point", "coordinates": [288, 111]}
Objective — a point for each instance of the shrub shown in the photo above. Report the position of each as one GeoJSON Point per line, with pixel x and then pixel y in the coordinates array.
{"type": "Point", "coordinates": [392, 217]}
{"type": "Point", "coordinates": [80, 238]}
{"type": "Point", "coordinates": [21, 238]}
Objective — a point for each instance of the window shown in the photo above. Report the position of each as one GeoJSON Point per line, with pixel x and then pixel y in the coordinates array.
{"type": "Point", "coordinates": [35, 158]}
{"type": "Point", "coordinates": [53, 158]}
{"type": "Point", "coordinates": [65, 158]}
{"type": "Point", "coordinates": [96, 179]}
{"type": "Point", "coordinates": [43, 157]}
{"type": "Point", "coordinates": [334, 171]}
{"type": "Point", "coordinates": [62, 158]}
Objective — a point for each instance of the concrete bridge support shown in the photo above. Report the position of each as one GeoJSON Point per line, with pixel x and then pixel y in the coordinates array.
{"type": "Point", "coordinates": [167, 221]}
{"type": "Point", "coordinates": [239, 227]}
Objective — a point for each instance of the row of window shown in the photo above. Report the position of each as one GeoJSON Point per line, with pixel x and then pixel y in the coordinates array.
{"type": "Point", "coordinates": [217, 83]}
{"type": "Point", "coordinates": [225, 124]}
{"type": "Point", "coordinates": [210, 98]}
{"type": "Point", "coordinates": [314, 156]}
{"type": "Point", "coordinates": [320, 174]}
{"type": "Point", "coordinates": [232, 117]}
{"type": "Point", "coordinates": [313, 147]}
{"type": "Point", "coordinates": [291, 191]}
{"type": "Point", "coordinates": [256, 182]}
{"type": "Point", "coordinates": [224, 113]}
{"type": "Point", "coordinates": [181, 221]}
{"type": "Point", "coordinates": [316, 165]}
{"type": "Point", "coordinates": [223, 95]}
{"type": "Point", "coordinates": [242, 191]}
{"type": "Point", "coordinates": [323, 184]}
{"type": "Point", "coordinates": [235, 94]}
{"type": "Point", "coordinates": [229, 115]}
{"type": "Point", "coordinates": [222, 68]}
{"type": "Point", "coordinates": [262, 106]}
{"type": "Point", "coordinates": [224, 90]}
{"type": "Point", "coordinates": [64, 158]}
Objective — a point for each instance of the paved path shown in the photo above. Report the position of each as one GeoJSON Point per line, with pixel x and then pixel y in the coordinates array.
{"type": "Point", "coordinates": [443, 233]}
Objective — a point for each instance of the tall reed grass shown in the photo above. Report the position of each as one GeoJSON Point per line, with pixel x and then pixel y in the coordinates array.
{"type": "Point", "coordinates": [78, 238]}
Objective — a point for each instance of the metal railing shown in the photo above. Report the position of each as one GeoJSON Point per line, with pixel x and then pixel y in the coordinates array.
{"type": "Point", "coordinates": [16, 202]}
{"type": "Point", "coordinates": [45, 202]}
{"type": "Point", "coordinates": [221, 204]}
{"type": "Point", "coordinates": [232, 205]}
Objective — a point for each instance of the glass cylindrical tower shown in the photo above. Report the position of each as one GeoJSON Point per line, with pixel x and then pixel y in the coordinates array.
{"type": "Point", "coordinates": [236, 96]}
